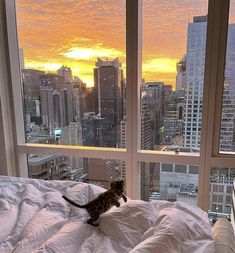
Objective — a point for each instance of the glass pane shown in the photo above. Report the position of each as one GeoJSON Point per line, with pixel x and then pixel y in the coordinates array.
{"type": "Point", "coordinates": [89, 170]}
{"type": "Point", "coordinates": [174, 41]}
{"type": "Point", "coordinates": [227, 133]}
{"type": "Point", "coordinates": [73, 59]}
{"type": "Point", "coordinates": [168, 182]}
{"type": "Point", "coordinates": [220, 196]}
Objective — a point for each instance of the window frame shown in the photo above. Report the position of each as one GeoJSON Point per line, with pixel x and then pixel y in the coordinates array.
{"type": "Point", "coordinates": [218, 11]}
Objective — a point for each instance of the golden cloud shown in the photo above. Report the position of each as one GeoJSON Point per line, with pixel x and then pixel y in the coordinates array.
{"type": "Point", "coordinates": [92, 52]}
{"type": "Point", "coordinates": [162, 65]}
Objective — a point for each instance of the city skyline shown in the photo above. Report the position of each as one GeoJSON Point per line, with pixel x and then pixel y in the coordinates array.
{"type": "Point", "coordinates": [75, 33]}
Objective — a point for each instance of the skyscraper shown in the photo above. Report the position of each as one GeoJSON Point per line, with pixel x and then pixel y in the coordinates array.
{"type": "Point", "coordinates": [221, 179]}
{"type": "Point", "coordinates": [31, 87]}
{"type": "Point", "coordinates": [93, 129]}
{"type": "Point", "coordinates": [108, 88]}
{"type": "Point", "coordinates": [227, 132]}
{"type": "Point", "coordinates": [195, 63]}
{"type": "Point", "coordinates": [155, 95]}
{"type": "Point", "coordinates": [147, 141]}
{"type": "Point", "coordinates": [47, 108]}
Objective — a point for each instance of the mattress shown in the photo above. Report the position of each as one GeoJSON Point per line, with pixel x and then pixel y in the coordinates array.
{"type": "Point", "coordinates": [35, 218]}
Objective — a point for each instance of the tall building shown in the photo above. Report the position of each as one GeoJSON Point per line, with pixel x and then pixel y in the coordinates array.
{"type": "Point", "coordinates": [66, 106]}
{"type": "Point", "coordinates": [147, 142]}
{"type": "Point", "coordinates": [227, 131]}
{"type": "Point", "coordinates": [173, 117]}
{"type": "Point", "coordinates": [53, 81]}
{"type": "Point", "coordinates": [221, 179]}
{"type": "Point", "coordinates": [72, 135]}
{"type": "Point", "coordinates": [31, 89]}
{"type": "Point", "coordinates": [66, 73]}
{"type": "Point", "coordinates": [48, 167]}
{"type": "Point", "coordinates": [59, 107]}
{"type": "Point", "coordinates": [181, 74]}
{"type": "Point", "coordinates": [156, 97]}
{"type": "Point", "coordinates": [93, 130]}
{"type": "Point", "coordinates": [220, 197]}
{"type": "Point", "coordinates": [47, 108]}
{"type": "Point", "coordinates": [108, 89]}
{"type": "Point", "coordinates": [195, 64]}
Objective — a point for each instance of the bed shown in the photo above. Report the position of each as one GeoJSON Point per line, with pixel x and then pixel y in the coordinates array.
{"type": "Point", "coordinates": [35, 218]}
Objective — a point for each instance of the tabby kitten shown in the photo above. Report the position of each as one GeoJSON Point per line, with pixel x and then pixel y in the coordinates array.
{"type": "Point", "coordinates": [103, 202]}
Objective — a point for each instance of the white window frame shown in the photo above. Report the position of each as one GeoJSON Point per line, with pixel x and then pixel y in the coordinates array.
{"type": "Point", "coordinates": [218, 11]}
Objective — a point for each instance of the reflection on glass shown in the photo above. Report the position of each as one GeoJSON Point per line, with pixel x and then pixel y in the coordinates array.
{"type": "Point", "coordinates": [89, 170]}
{"type": "Point", "coordinates": [172, 182]}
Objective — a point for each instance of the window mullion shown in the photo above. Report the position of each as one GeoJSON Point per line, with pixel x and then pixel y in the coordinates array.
{"type": "Point", "coordinates": [214, 65]}
{"type": "Point", "coordinates": [133, 47]}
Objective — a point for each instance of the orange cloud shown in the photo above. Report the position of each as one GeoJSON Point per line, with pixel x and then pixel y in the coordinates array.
{"type": "Point", "coordinates": [72, 32]}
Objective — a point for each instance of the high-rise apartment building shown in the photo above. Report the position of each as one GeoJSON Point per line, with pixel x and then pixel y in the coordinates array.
{"type": "Point", "coordinates": [195, 64]}
{"type": "Point", "coordinates": [227, 131]}
{"type": "Point", "coordinates": [108, 88]}
{"type": "Point", "coordinates": [220, 194]}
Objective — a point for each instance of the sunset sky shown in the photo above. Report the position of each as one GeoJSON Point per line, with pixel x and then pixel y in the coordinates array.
{"type": "Point", "coordinates": [76, 32]}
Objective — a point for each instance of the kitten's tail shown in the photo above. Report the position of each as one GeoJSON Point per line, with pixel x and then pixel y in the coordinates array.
{"type": "Point", "coordinates": [72, 203]}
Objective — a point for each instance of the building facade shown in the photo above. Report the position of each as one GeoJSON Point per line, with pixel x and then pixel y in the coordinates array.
{"type": "Point", "coordinates": [108, 88]}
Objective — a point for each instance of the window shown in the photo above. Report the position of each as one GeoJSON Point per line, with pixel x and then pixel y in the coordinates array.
{"type": "Point", "coordinates": [227, 135]}
{"type": "Point", "coordinates": [168, 182]}
{"type": "Point", "coordinates": [152, 125]}
{"type": "Point", "coordinates": [171, 72]}
{"type": "Point", "coordinates": [74, 88]}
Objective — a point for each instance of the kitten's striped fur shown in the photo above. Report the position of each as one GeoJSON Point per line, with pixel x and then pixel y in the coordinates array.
{"type": "Point", "coordinates": [103, 202]}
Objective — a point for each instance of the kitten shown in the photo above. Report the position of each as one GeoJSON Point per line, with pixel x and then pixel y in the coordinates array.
{"type": "Point", "coordinates": [103, 202]}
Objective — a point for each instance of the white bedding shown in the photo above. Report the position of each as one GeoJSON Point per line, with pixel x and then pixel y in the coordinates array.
{"type": "Point", "coordinates": [35, 218]}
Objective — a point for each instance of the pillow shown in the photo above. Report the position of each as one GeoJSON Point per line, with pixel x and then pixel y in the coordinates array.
{"type": "Point", "coordinates": [224, 236]}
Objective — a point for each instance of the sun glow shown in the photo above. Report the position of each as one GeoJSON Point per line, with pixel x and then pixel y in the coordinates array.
{"type": "Point", "coordinates": [162, 65]}
{"type": "Point", "coordinates": [92, 53]}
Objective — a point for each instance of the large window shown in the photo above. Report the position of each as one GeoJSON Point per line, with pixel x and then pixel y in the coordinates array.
{"type": "Point", "coordinates": [72, 59]}
{"type": "Point", "coordinates": [115, 84]}
{"type": "Point", "coordinates": [227, 128]}
{"type": "Point", "coordinates": [174, 43]}
{"type": "Point", "coordinates": [172, 182]}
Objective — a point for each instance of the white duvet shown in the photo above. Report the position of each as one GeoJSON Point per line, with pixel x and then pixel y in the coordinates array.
{"type": "Point", "coordinates": [35, 218]}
